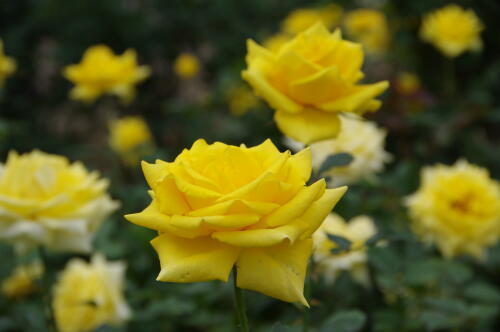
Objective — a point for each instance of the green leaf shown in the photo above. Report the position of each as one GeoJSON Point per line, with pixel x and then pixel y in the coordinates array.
{"type": "Point", "coordinates": [278, 327]}
{"type": "Point", "coordinates": [336, 160]}
{"type": "Point", "coordinates": [344, 321]}
{"type": "Point", "coordinates": [482, 292]}
{"type": "Point", "coordinates": [343, 244]}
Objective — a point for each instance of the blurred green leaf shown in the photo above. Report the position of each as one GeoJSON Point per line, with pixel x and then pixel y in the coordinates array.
{"type": "Point", "coordinates": [336, 160]}
{"type": "Point", "coordinates": [344, 321]}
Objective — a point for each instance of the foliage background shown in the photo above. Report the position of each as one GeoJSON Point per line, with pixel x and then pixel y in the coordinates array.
{"type": "Point", "coordinates": [414, 289]}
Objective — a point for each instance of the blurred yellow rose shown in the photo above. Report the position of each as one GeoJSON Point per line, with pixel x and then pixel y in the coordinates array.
{"type": "Point", "coordinates": [186, 65]}
{"type": "Point", "coordinates": [21, 282]}
{"type": "Point", "coordinates": [369, 27]}
{"type": "Point", "coordinates": [457, 208]}
{"type": "Point", "coordinates": [131, 138]}
{"type": "Point", "coordinates": [309, 81]}
{"type": "Point", "coordinates": [218, 206]}
{"type": "Point", "coordinates": [241, 100]}
{"type": "Point", "coordinates": [303, 18]}
{"type": "Point", "coordinates": [452, 30]}
{"type": "Point", "coordinates": [7, 65]}
{"type": "Point", "coordinates": [358, 230]}
{"type": "Point", "coordinates": [363, 140]}
{"type": "Point", "coordinates": [45, 200]}
{"type": "Point", "coordinates": [102, 72]}
{"type": "Point", "coordinates": [88, 295]}
{"type": "Point", "coordinates": [407, 83]}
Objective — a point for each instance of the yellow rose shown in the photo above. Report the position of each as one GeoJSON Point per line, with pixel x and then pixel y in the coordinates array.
{"type": "Point", "coordinates": [241, 100]}
{"type": "Point", "coordinates": [275, 42]}
{"type": "Point", "coordinates": [457, 208]}
{"type": "Point", "coordinates": [187, 65]}
{"type": "Point", "coordinates": [102, 72]}
{"type": "Point", "coordinates": [45, 200]}
{"type": "Point", "coordinates": [218, 206]}
{"type": "Point", "coordinates": [303, 18]}
{"type": "Point", "coordinates": [407, 83]}
{"type": "Point", "coordinates": [21, 282]}
{"type": "Point", "coordinates": [88, 295]}
{"type": "Point", "coordinates": [358, 230]}
{"type": "Point", "coordinates": [452, 30]}
{"type": "Point", "coordinates": [7, 65]}
{"type": "Point", "coordinates": [131, 138]}
{"type": "Point", "coordinates": [309, 81]}
{"type": "Point", "coordinates": [363, 140]}
{"type": "Point", "coordinates": [369, 27]}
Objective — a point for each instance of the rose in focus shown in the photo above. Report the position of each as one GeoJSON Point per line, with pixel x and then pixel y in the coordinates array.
{"type": "Point", "coordinates": [310, 80]}
{"type": "Point", "coordinates": [218, 206]}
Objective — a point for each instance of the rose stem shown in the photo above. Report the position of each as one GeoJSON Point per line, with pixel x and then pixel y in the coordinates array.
{"type": "Point", "coordinates": [240, 304]}
{"type": "Point", "coordinates": [46, 290]}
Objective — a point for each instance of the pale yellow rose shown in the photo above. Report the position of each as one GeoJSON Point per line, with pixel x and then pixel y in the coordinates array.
{"type": "Point", "coordinates": [452, 30]}
{"type": "Point", "coordinates": [102, 72]}
{"type": "Point", "coordinates": [218, 206]}
{"type": "Point", "coordinates": [457, 208]}
{"type": "Point", "coordinates": [363, 140]}
{"type": "Point", "coordinates": [358, 230]}
{"type": "Point", "coordinates": [370, 28]}
{"type": "Point", "coordinates": [303, 18]}
{"type": "Point", "coordinates": [187, 65]}
{"type": "Point", "coordinates": [309, 81]}
{"type": "Point", "coordinates": [131, 138]}
{"type": "Point", "coordinates": [45, 200]}
{"type": "Point", "coordinates": [22, 281]}
{"type": "Point", "coordinates": [89, 295]}
{"type": "Point", "coordinates": [7, 65]}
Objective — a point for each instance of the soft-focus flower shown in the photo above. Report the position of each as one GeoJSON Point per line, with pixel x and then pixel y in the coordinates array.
{"type": "Point", "coordinates": [452, 30]}
{"type": "Point", "coordinates": [45, 200]}
{"type": "Point", "coordinates": [457, 208]}
{"type": "Point", "coordinates": [358, 230]}
{"type": "Point", "coordinates": [186, 65]}
{"type": "Point", "coordinates": [407, 83]}
{"type": "Point", "coordinates": [241, 100]}
{"type": "Point", "coordinates": [22, 280]}
{"type": "Point", "coordinates": [275, 42]}
{"type": "Point", "coordinates": [303, 18]}
{"type": "Point", "coordinates": [102, 72]}
{"type": "Point", "coordinates": [218, 206]}
{"type": "Point", "coordinates": [369, 27]}
{"type": "Point", "coordinates": [88, 295]}
{"type": "Point", "coordinates": [131, 138]}
{"type": "Point", "coordinates": [363, 140]}
{"type": "Point", "coordinates": [310, 80]}
{"type": "Point", "coordinates": [7, 65]}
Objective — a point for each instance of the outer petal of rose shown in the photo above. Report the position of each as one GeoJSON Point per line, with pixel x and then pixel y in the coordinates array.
{"type": "Point", "coordinates": [170, 199]}
{"type": "Point", "coordinates": [228, 221]}
{"type": "Point", "coordinates": [273, 96]}
{"type": "Point", "coordinates": [153, 219]}
{"type": "Point", "coordinates": [301, 227]}
{"type": "Point", "coordinates": [300, 167]}
{"type": "Point", "coordinates": [233, 207]}
{"type": "Point", "coordinates": [277, 271]}
{"type": "Point", "coordinates": [85, 93]}
{"type": "Point", "coordinates": [309, 125]}
{"type": "Point", "coordinates": [318, 211]}
{"type": "Point", "coordinates": [360, 95]}
{"type": "Point", "coordinates": [186, 260]}
{"type": "Point", "coordinates": [255, 52]}
{"type": "Point", "coordinates": [154, 173]}
{"type": "Point", "coordinates": [318, 88]}
{"type": "Point", "coordinates": [296, 207]}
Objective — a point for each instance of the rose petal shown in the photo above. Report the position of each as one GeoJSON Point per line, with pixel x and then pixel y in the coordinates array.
{"type": "Point", "coordinates": [186, 260]}
{"type": "Point", "coordinates": [278, 271]}
{"type": "Point", "coordinates": [309, 125]}
{"type": "Point", "coordinates": [318, 88]}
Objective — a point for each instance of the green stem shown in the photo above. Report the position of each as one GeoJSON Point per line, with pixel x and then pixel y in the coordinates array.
{"type": "Point", "coordinates": [46, 290]}
{"type": "Point", "coordinates": [240, 304]}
